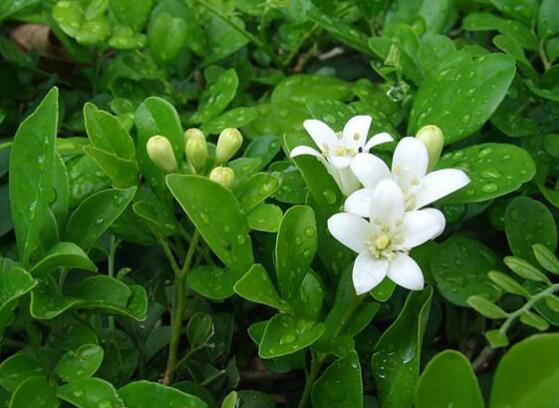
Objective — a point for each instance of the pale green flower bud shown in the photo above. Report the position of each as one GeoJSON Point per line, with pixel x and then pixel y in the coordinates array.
{"type": "Point", "coordinates": [161, 153]}
{"type": "Point", "coordinates": [228, 143]}
{"type": "Point", "coordinates": [433, 138]}
{"type": "Point", "coordinates": [223, 175]}
{"type": "Point", "coordinates": [193, 134]}
{"type": "Point", "coordinates": [197, 153]}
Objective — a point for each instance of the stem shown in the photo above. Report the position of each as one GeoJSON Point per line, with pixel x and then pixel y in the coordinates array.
{"type": "Point", "coordinates": [178, 307]}
{"type": "Point", "coordinates": [481, 361]}
{"type": "Point", "coordinates": [533, 300]}
{"type": "Point", "coordinates": [311, 378]}
{"type": "Point", "coordinates": [111, 272]}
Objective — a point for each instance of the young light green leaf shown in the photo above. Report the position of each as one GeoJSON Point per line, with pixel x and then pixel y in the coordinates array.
{"type": "Point", "coordinates": [397, 373]}
{"type": "Point", "coordinates": [131, 13]}
{"type": "Point", "coordinates": [495, 169]}
{"type": "Point", "coordinates": [508, 284]}
{"type": "Point", "coordinates": [31, 170]}
{"type": "Point", "coordinates": [96, 214]}
{"type": "Point", "coordinates": [547, 259]}
{"type": "Point", "coordinates": [122, 172]}
{"type": "Point", "coordinates": [461, 98]}
{"type": "Point", "coordinates": [63, 255]}
{"type": "Point", "coordinates": [90, 393]}
{"type": "Point", "coordinates": [230, 401]}
{"type": "Point", "coordinates": [448, 381]}
{"type": "Point", "coordinates": [79, 364]}
{"type": "Point", "coordinates": [340, 385]}
{"type": "Point", "coordinates": [486, 308]}
{"type": "Point", "coordinates": [524, 269]}
{"type": "Point", "coordinates": [265, 218]}
{"type": "Point", "coordinates": [496, 338]}
{"type": "Point", "coordinates": [256, 189]}
{"type": "Point", "coordinates": [532, 319]}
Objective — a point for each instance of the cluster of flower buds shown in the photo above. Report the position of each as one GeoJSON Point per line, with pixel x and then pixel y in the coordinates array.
{"type": "Point", "coordinates": [230, 140]}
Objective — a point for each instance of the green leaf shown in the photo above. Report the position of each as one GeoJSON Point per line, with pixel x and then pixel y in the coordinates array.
{"type": "Point", "coordinates": [495, 169]}
{"type": "Point", "coordinates": [122, 172]}
{"type": "Point", "coordinates": [491, 22]}
{"type": "Point", "coordinates": [265, 218]}
{"type": "Point", "coordinates": [31, 169]}
{"type": "Point", "coordinates": [548, 19]}
{"type": "Point", "coordinates": [340, 385]}
{"type": "Point", "coordinates": [199, 330]}
{"type": "Point", "coordinates": [448, 381]}
{"type": "Point", "coordinates": [234, 118]}
{"type": "Point", "coordinates": [256, 189]}
{"type": "Point", "coordinates": [222, 38]}
{"type": "Point", "coordinates": [301, 88]}
{"type": "Point", "coordinates": [264, 148]}
{"type": "Point", "coordinates": [496, 338]}
{"type": "Point", "coordinates": [14, 282]}
{"type": "Point", "coordinates": [90, 393]}
{"type": "Point", "coordinates": [144, 394]}
{"type": "Point", "coordinates": [284, 334]}
{"type": "Point", "coordinates": [211, 281]}
{"type": "Point", "coordinates": [216, 214]}
{"type": "Point", "coordinates": [61, 190]}
{"type": "Point", "coordinates": [17, 368]}
{"type": "Point", "coordinates": [293, 189]}
{"type": "Point", "coordinates": [529, 222]}
{"type": "Point", "coordinates": [256, 286]}
{"type": "Point", "coordinates": [508, 284]}
{"type": "Point", "coordinates": [219, 94]}
{"type": "Point", "coordinates": [395, 361]}
{"type": "Point", "coordinates": [528, 375]}
{"type": "Point", "coordinates": [63, 255]}
{"type": "Point", "coordinates": [547, 259]}
{"type": "Point", "coordinates": [461, 98]}
{"type": "Point", "coordinates": [69, 16]}
{"type": "Point", "coordinates": [106, 132]}
{"type": "Point", "coordinates": [255, 399]}
{"type": "Point", "coordinates": [524, 269]}
{"type": "Point", "coordinates": [230, 401]}
{"type": "Point", "coordinates": [34, 392]}
{"type": "Point", "coordinates": [79, 364]}
{"type": "Point", "coordinates": [531, 319]}
{"type": "Point", "coordinates": [131, 13]}
{"type": "Point", "coordinates": [170, 19]}
{"type": "Point", "coordinates": [460, 267]}
{"type": "Point", "coordinates": [47, 302]}
{"type": "Point", "coordinates": [486, 307]}
{"type": "Point", "coordinates": [96, 214]}
{"type": "Point", "coordinates": [295, 249]}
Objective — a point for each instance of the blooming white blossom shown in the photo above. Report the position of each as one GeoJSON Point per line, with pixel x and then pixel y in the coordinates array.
{"type": "Point", "coordinates": [337, 150]}
{"type": "Point", "coordinates": [383, 241]}
{"type": "Point", "coordinates": [409, 170]}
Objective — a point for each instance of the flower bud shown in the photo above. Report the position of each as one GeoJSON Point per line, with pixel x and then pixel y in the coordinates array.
{"type": "Point", "coordinates": [223, 175]}
{"type": "Point", "coordinates": [197, 153]}
{"type": "Point", "coordinates": [228, 143]}
{"type": "Point", "coordinates": [161, 153]}
{"type": "Point", "coordinates": [194, 134]}
{"type": "Point", "coordinates": [433, 138]}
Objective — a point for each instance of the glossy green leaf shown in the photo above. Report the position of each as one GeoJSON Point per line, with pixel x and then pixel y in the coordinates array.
{"type": "Point", "coordinates": [295, 249]}
{"type": "Point", "coordinates": [31, 167]}
{"type": "Point", "coordinates": [17, 368]}
{"type": "Point", "coordinates": [495, 169]}
{"type": "Point", "coordinates": [460, 267]}
{"type": "Point", "coordinates": [199, 329]}
{"type": "Point", "coordinates": [106, 132]}
{"type": "Point", "coordinates": [491, 22]}
{"type": "Point", "coordinates": [69, 16]}
{"type": "Point", "coordinates": [219, 94]}
{"type": "Point", "coordinates": [461, 98]}
{"type": "Point", "coordinates": [144, 394]}
{"type": "Point", "coordinates": [234, 118]}
{"type": "Point", "coordinates": [448, 381]}
{"type": "Point", "coordinates": [300, 88]}
{"type": "Point", "coordinates": [486, 307]}
{"type": "Point", "coordinates": [222, 38]}
{"type": "Point", "coordinates": [285, 335]}
{"type": "Point", "coordinates": [340, 385]}
{"type": "Point", "coordinates": [14, 282]}
{"type": "Point", "coordinates": [293, 189]}
{"type": "Point", "coordinates": [230, 401]}
{"type": "Point", "coordinates": [264, 148]}
{"type": "Point", "coordinates": [216, 214]}
{"type": "Point", "coordinates": [169, 20]}
{"type": "Point", "coordinates": [257, 287]}
{"type": "Point", "coordinates": [211, 281]}
{"type": "Point", "coordinates": [532, 319]}
{"type": "Point", "coordinates": [529, 222]}
{"type": "Point", "coordinates": [548, 19]}
{"type": "Point", "coordinates": [256, 189]}
{"type": "Point", "coordinates": [63, 255]}
{"type": "Point", "coordinates": [47, 302]}
{"type": "Point", "coordinates": [122, 172]}
{"type": "Point", "coordinates": [90, 393]}
{"type": "Point", "coordinates": [508, 284]}
{"type": "Point", "coordinates": [79, 364]}
{"type": "Point", "coordinates": [255, 399]}
{"type": "Point", "coordinates": [60, 206]}
{"type": "Point", "coordinates": [396, 357]}
{"type": "Point", "coordinates": [96, 214]}
{"type": "Point", "coordinates": [524, 269]}
{"type": "Point", "coordinates": [528, 375]}
{"type": "Point", "coordinates": [546, 258]}
{"type": "Point", "coordinates": [131, 13]}
{"type": "Point", "coordinates": [36, 392]}
{"type": "Point", "coordinates": [265, 218]}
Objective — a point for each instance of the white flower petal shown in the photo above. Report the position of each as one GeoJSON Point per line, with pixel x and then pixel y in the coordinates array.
{"type": "Point", "coordinates": [369, 169]}
{"type": "Point", "coordinates": [350, 229]}
{"type": "Point", "coordinates": [359, 202]}
{"type": "Point", "coordinates": [356, 130]}
{"type": "Point", "coordinates": [320, 133]}
{"type": "Point", "coordinates": [404, 271]}
{"type": "Point", "coordinates": [348, 183]}
{"type": "Point", "coordinates": [340, 162]}
{"type": "Point", "coordinates": [368, 272]}
{"type": "Point", "coordinates": [387, 204]}
{"type": "Point", "coordinates": [410, 162]}
{"type": "Point", "coordinates": [379, 138]}
{"type": "Point", "coordinates": [439, 184]}
{"type": "Point", "coordinates": [304, 150]}
{"type": "Point", "coordinates": [421, 226]}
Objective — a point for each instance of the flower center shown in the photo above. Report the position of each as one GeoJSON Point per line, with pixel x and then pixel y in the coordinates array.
{"type": "Point", "coordinates": [382, 241]}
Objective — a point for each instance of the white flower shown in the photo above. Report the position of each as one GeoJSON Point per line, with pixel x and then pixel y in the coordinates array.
{"type": "Point", "coordinates": [409, 170]}
{"type": "Point", "coordinates": [337, 150]}
{"type": "Point", "coordinates": [383, 242]}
